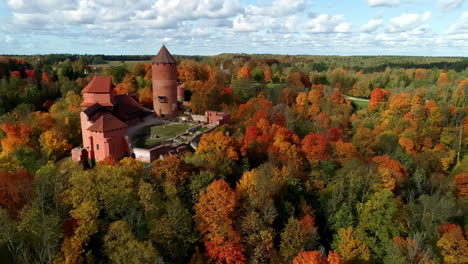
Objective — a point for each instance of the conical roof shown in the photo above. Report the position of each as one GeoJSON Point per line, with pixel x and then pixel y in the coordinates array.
{"type": "Point", "coordinates": [164, 56]}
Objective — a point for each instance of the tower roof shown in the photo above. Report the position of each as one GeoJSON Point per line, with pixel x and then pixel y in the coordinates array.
{"type": "Point", "coordinates": [99, 84]}
{"type": "Point", "coordinates": [164, 56]}
{"type": "Point", "coordinates": [107, 122]}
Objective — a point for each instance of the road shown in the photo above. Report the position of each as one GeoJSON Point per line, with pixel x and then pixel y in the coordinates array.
{"type": "Point", "coordinates": [355, 98]}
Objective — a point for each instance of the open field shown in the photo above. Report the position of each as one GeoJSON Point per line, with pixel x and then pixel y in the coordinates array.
{"type": "Point", "coordinates": [118, 63]}
{"type": "Point", "coordinates": [151, 135]}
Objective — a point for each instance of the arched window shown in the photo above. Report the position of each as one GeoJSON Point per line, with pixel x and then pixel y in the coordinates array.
{"type": "Point", "coordinates": [97, 146]}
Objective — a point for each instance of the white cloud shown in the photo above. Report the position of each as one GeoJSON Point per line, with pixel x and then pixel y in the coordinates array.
{"type": "Point", "coordinates": [449, 5]}
{"type": "Point", "coordinates": [407, 21]}
{"type": "Point", "coordinates": [460, 26]}
{"type": "Point", "coordinates": [376, 3]}
{"type": "Point", "coordinates": [278, 8]}
{"type": "Point", "coordinates": [329, 23]}
{"type": "Point", "coordinates": [372, 25]}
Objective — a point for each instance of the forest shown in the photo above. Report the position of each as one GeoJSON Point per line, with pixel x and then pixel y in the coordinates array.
{"type": "Point", "coordinates": [327, 160]}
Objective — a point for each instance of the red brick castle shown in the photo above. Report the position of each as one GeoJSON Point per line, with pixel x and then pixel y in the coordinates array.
{"type": "Point", "coordinates": [107, 117]}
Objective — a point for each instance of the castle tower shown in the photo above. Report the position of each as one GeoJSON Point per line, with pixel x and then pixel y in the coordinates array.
{"type": "Point", "coordinates": [164, 72]}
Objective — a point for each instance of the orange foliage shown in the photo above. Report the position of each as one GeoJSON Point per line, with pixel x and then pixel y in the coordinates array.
{"type": "Point", "coordinates": [391, 171]}
{"type": "Point", "coordinates": [395, 166]}
{"type": "Point", "coordinates": [420, 74]}
{"type": "Point", "coordinates": [226, 250]}
{"type": "Point", "coordinates": [15, 190]}
{"type": "Point", "coordinates": [454, 245]}
{"type": "Point", "coordinates": [298, 79]}
{"type": "Point", "coordinates": [322, 121]}
{"type": "Point", "coordinates": [315, 147]}
{"type": "Point", "coordinates": [128, 85]}
{"type": "Point", "coordinates": [334, 258]}
{"type": "Point", "coordinates": [216, 143]}
{"type": "Point", "coordinates": [461, 182]}
{"type": "Point", "coordinates": [16, 137]}
{"type": "Point", "coordinates": [214, 209]}
{"type": "Point", "coordinates": [310, 257]}
{"type": "Point", "coordinates": [344, 150]}
{"type": "Point", "coordinates": [288, 96]}
{"type": "Point", "coordinates": [443, 79]}
{"type": "Point", "coordinates": [46, 79]}
{"type": "Point", "coordinates": [308, 222]}
{"type": "Point", "coordinates": [108, 161]}
{"type": "Point", "coordinates": [244, 72]}
{"type": "Point", "coordinates": [267, 75]}
{"type": "Point", "coordinates": [336, 97]}
{"type": "Point", "coordinates": [377, 96]}
{"type": "Point", "coordinates": [172, 169]}
{"type": "Point", "coordinates": [408, 145]}
{"type": "Point", "coordinates": [315, 257]}
{"type": "Point", "coordinates": [315, 95]}
{"type": "Point", "coordinates": [214, 219]}
{"type": "Point", "coordinates": [148, 73]}
{"type": "Point", "coordinates": [145, 96]}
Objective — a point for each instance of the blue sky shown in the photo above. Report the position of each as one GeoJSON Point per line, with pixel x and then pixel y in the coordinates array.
{"type": "Point", "coordinates": [208, 27]}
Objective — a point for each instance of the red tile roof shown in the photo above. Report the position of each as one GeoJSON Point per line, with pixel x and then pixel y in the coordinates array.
{"type": "Point", "coordinates": [107, 122]}
{"type": "Point", "coordinates": [164, 56]}
{"type": "Point", "coordinates": [99, 84]}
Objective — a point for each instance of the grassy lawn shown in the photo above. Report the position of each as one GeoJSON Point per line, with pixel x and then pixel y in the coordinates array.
{"type": "Point", "coordinates": [359, 104]}
{"type": "Point", "coordinates": [164, 132]}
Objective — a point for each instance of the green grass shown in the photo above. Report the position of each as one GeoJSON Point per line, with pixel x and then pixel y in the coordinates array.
{"type": "Point", "coordinates": [164, 132]}
{"type": "Point", "coordinates": [359, 104]}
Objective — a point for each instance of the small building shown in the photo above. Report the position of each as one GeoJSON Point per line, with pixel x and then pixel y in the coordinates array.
{"type": "Point", "coordinates": [217, 118]}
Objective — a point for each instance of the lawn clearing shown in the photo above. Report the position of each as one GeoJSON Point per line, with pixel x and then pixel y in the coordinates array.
{"type": "Point", "coordinates": [151, 135]}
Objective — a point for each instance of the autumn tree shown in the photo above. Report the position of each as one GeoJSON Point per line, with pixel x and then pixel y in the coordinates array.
{"type": "Point", "coordinates": [145, 96]}
{"type": "Point", "coordinates": [296, 237]}
{"type": "Point", "coordinates": [121, 246]}
{"type": "Point", "coordinates": [54, 144]}
{"type": "Point", "coordinates": [315, 147]}
{"type": "Point", "coordinates": [350, 247]}
{"type": "Point", "coordinates": [127, 86]}
{"type": "Point", "coordinates": [214, 218]}
{"type": "Point", "coordinates": [377, 96]}
{"type": "Point", "coordinates": [218, 150]}
{"type": "Point", "coordinates": [461, 182]}
{"type": "Point", "coordinates": [17, 135]}
{"type": "Point", "coordinates": [244, 72]}
{"type": "Point", "coordinates": [454, 245]}
{"type": "Point", "coordinates": [15, 190]}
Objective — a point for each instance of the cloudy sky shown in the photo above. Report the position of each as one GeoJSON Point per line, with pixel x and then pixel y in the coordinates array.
{"type": "Point", "coordinates": [207, 27]}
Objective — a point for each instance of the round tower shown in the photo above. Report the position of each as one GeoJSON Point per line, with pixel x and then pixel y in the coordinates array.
{"type": "Point", "coordinates": [164, 75]}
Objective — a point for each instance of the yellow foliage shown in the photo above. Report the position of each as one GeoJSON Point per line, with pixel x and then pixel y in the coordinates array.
{"type": "Point", "coordinates": [54, 143]}
{"type": "Point", "coordinates": [350, 248]}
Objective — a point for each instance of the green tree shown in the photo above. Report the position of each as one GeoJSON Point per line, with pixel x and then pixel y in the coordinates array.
{"type": "Point", "coordinates": [121, 246]}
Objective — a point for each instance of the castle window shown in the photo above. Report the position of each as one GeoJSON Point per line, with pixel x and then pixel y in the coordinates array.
{"type": "Point", "coordinates": [162, 99]}
{"type": "Point", "coordinates": [97, 146]}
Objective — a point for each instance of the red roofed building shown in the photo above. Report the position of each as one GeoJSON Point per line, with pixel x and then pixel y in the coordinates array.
{"type": "Point", "coordinates": [106, 117]}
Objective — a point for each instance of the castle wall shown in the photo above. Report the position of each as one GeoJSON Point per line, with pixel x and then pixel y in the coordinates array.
{"type": "Point", "coordinates": [100, 98]}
